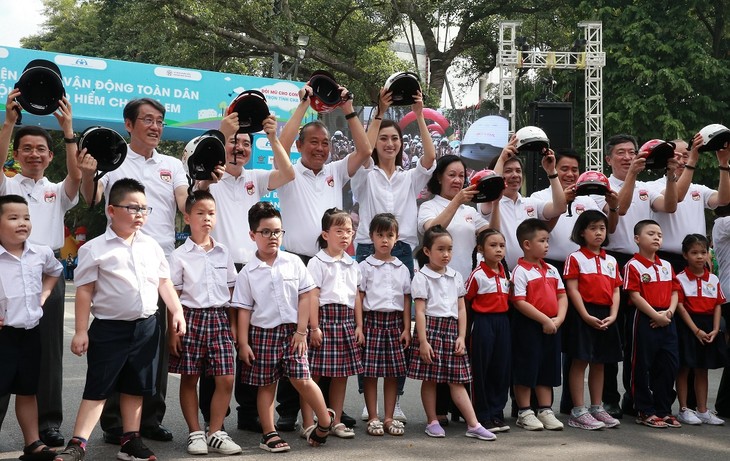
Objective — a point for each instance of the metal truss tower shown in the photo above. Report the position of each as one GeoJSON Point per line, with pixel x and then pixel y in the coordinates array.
{"type": "Point", "coordinates": [512, 57]}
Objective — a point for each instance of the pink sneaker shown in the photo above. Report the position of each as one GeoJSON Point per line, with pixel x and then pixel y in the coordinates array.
{"type": "Point", "coordinates": [603, 416]}
{"type": "Point", "coordinates": [585, 421]}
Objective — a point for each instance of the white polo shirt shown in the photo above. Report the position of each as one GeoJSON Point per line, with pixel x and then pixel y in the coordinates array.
{"type": "Point", "coordinates": [376, 193]}
{"type": "Point", "coordinates": [622, 240]}
{"type": "Point", "coordinates": [160, 175]}
{"type": "Point", "coordinates": [721, 243]}
{"type": "Point", "coordinates": [47, 203]}
{"type": "Point", "coordinates": [203, 277]}
{"type": "Point", "coordinates": [305, 199]}
{"type": "Point", "coordinates": [127, 277]}
{"type": "Point", "coordinates": [440, 291]}
{"type": "Point", "coordinates": [688, 219]}
{"type": "Point", "coordinates": [337, 279]}
{"type": "Point", "coordinates": [385, 284]}
{"type": "Point", "coordinates": [463, 229]}
{"type": "Point", "coordinates": [511, 214]}
{"type": "Point", "coordinates": [234, 196]}
{"type": "Point", "coordinates": [272, 292]}
{"type": "Point", "coordinates": [21, 284]}
{"type": "Point", "coordinates": [560, 244]}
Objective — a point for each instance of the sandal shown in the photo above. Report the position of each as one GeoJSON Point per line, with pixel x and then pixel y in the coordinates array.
{"type": "Point", "coordinates": [395, 427]}
{"type": "Point", "coordinates": [31, 452]}
{"type": "Point", "coordinates": [313, 437]}
{"type": "Point", "coordinates": [342, 431]}
{"type": "Point", "coordinates": [651, 421]}
{"type": "Point", "coordinates": [273, 446]}
{"type": "Point", "coordinates": [305, 431]}
{"type": "Point", "coordinates": [375, 427]}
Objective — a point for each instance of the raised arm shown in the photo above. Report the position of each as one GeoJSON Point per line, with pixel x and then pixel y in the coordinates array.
{"type": "Point", "coordinates": [429, 150]}
{"type": "Point", "coordinates": [73, 173]}
{"type": "Point", "coordinates": [722, 196]}
{"type": "Point", "coordinates": [284, 171]}
{"type": "Point", "coordinates": [384, 101]}
{"type": "Point", "coordinates": [558, 205]}
{"type": "Point", "coordinates": [363, 149]}
{"type": "Point", "coordinates": [11, 116]}
{"type": "Point", "coordinates": [668, 201]}
{"type": "Point", "coordinates": [291, 130]}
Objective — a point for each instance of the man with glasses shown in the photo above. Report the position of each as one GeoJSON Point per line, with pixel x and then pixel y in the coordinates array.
{"type": "Point", "coordinates": [48, 203]}
{"type": "Point", "coordinates": [166, 188]}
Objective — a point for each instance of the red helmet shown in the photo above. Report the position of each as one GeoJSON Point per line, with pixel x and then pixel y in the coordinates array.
{"type": "Point", "coordinates": [592, 183]}
{"type": "Point", "coordinates": [489, 185]}
{"type": "Point", "coordinates": [656, 152]}
{"type": "Point", "coordinates": [326, 93]}
{"type": "Point", "coordinates": [252, 111]}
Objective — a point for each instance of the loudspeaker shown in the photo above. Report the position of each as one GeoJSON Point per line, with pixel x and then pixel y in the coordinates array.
{"type": "Point", "coordinates": [556, 119]}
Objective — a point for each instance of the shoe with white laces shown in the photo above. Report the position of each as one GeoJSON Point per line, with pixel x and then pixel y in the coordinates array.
{"type": "Point", "coordinates": [221, 442]}
{"type": "Point", "coordinates": [197, 444]}
{"type": "Point", "coordinates": [605, 417]}
{"type": "Point", "coordinates": [549, 421]}
{"type": "Point", "coordinates": [527, 420]}
{"type": "Point", "coordinates": [710, 418]}
{"type": "Point", "coordinates": [585, 421]}
{"type": "Point", "coordinates": [398, 414]}
{"type": "Point", "coordinates": [687, 416]}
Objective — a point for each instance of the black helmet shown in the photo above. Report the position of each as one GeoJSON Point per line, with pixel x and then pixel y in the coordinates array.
{"type": "Point", "coordinates": [41, 87]}
{"type": "Point", "coordinates": [203, 154]}
{"type": "Point", "coordinates": [326, 93]}
{"type": "Point", "coordinates": [252, 111]}
{"type": "Point", "coordinates": [403, 85]}
{"type": "Point", "coordinates": [106, 146]}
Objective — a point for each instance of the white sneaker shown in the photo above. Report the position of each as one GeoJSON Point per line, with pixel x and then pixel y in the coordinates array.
{"type": "Point", "coordinates": [528, 420]}
{"type": "Point", "coordinates": [398, 414]}
{"type": "Point", "coordinates": [197, 445]}
{"type": "Point", "coordinates": [709, 417]}
{"type": "Point", "coordinates": [549, 421]}
{"type": "Point", "coordinates": [220, 442]}
{"type": "Point", "coordinates": [687, 416]}
{"type": "Point", "coordinates": [365, 416]}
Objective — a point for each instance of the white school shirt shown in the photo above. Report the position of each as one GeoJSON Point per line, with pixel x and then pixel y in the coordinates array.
{"type": "Point", "coordinates": [272, 292]}
{"type": "Point", "coordinates": [622, 240]}
{"type": "Point", "coordinates": [234, 196]}
{"type": "Point", "coordinates": [511, 214]}
{"type": "Point", "coordinates": [337, 279]}
{"type": "Point", "coordinates": [440, 291]}
{"type": "Point", "coordinates": [385, 284]}
{"type": "Point", "coordinates": [376, 193]}
{"type": "Point", "coordinates": [47, 204]}
{"type": "Point", "coordinates": [21, 284]}
{"type": "Point", "coordinates": [721, 244]}
{"type": "Point", "coordinates": [560, 244]}
{"type": "Point", "coordinates": [463, 229]}
{"type": "Point", "coordinates": [305, 199]}
{"type": "Point", "coordinates": [127, 277]}
{"type": "Point", "coordinates": [203, 277]}
{"type": "Point", "coordinates": [160, 175]}
{"type": "Point", "coordinates": [688, 219]}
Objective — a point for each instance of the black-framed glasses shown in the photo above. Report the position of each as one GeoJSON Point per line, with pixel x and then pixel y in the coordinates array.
{"type": "Point", "coordinates": [268, 233]}
{"type": "Point", "coordinates": [134, 209]}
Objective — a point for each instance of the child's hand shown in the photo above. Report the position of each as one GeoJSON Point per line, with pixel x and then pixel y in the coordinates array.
{"type": "Point", "coordinates": [299, 344]}
{"type": "Point", "coordinates": [608, 321]}
{"type": "Point", "coordinates": [426, 353]}
{"type": "Point", "coordinates": [80, 343]}
{"type": "Point", "coordinates": [594, 322]}
{"type": "Point", "coordinates": [709, 337]}
{"type": "Point", "coordinates": [359, 336]}
{"type": "Point", "coordinates": [175, 344]}
{"type": "Point", "coordinates": [660, 320]}
{"type": "Point", "coordinates": [405, 338]}
{"type": "Point", "coordinates": [548, 327]}
{"type": "Point", "coordinates": [459, 346]}
{"type": "Point", "coordinates": [315, 338]}
{"type": "Point", "coordinates": [245, 353]}
{"type": "Point", "coordinates": [178, 326]}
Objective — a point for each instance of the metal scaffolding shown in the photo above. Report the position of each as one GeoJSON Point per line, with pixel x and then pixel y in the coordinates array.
{"type": "Point", "coordinates": [511, 58]}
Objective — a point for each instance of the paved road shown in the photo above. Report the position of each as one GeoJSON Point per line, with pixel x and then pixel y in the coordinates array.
{"type": "Point", "coordinates": [630, 441]}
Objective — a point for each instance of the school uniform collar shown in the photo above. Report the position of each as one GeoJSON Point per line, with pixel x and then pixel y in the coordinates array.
{"type": "Point", "coordinates": [490, 272]}
{"type": "Point", "coordinates": [705, 277]}
{"type": "Point", "coordinates": [541, 265]}
{"type": "Point", "coordinates": [27, 248]}
{"type": "Point", "coordinates": [373, 261]}
{"type": "Point", "coordinates": [323, 256]}
{"type": "Point", "coordinates": [189, 245]}
{"type": "Point", "coordinates": [589, 254]}
{"type": "Point", "coordinates": [647, 262]}
{"type": "Point", "coordinates": [432, 274]}
{"type": "Point", "coordinates": [111, 235]}
{"type": "Point", "coordinates": [255, 262]}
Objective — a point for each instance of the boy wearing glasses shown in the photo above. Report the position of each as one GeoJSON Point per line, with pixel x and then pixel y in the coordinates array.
{"type": "Point", "coordinates": [118, 279]}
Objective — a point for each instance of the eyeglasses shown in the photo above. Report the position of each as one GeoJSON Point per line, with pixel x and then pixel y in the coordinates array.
{"type": "Point", "coordinates": [134, 209]}
{"type": "Point", "coordinates": [149, 121]}
{"type": "Point", "coordinates": [268, 233]}
{"type": "Point", "coordinates": [29, 149]}
{"type": "Point", "coordinates": [344, 233]}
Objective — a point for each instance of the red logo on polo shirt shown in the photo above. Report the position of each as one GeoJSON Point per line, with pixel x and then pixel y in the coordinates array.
{"type": "Point", "coordinates": [331, 181]}
{"type": "Point", "coordinates": [645, 278]}
{"type": "Point", "coordinates": [468, 218]}
{"type": "Point", "coordinates": [250, 187]}
{"type": "Point", "coordinates": [695, 195]}
{"type": "Point", "coordinates": [166, 175]}
{"type": "Point", "coordinates": [644, 194]}
{"type": "Point", "coordinates": [530, 211]}
{"type": "Point", "coordinates": [49, 197]}
{"type": "Point", "coordinates": [580, 208]}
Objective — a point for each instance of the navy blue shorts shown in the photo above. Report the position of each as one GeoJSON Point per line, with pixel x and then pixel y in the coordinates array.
{"type": "Point", "coordinates": [535, 355]}
{"type": "Point", "coordinates": [123, 357]}
{"type": "Point", "coordinates": [20, 354]}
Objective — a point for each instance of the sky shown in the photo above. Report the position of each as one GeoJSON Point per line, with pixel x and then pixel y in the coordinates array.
{"type": "Point", "coordinates": [20, 18]}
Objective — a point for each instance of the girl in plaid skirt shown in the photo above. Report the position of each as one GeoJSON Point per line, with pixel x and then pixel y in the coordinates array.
{"type": "Point", "coordinates": [336, 327]}
{"type": "Point", "coordinates": [438, 352]}
{"type": "Point", "coordinates": [385, 294]}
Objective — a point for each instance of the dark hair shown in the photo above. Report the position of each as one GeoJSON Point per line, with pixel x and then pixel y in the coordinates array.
{"type": "Point", "coordinates": [195, 197]}
{"type": "Point", "coordinates": [31, 130]}
{"type": "Point", "coordinates": [429, 237]}
{"type": "Point", "coordinates": [10, 198]}
{"type": "Point", "coordinates": [332, 217]}
{"type": "Point", "coordinates": [584, 220]}
{"type": "Point", "coordinates": [303, 130]}
{"type": "Point", "coordinates": [516, 158]}
{"type": "Point", "coordinates": [481, 238]}
{"type": "Point", "coordinates": [131, 110]}
{"type": "Point", "coordinates": [122, 188]}
{"type": "Point", "coordinates": [642, 224]}
{"type": "Point", "coordinates": [399, 155]}
{"type": "Point", "coordinates": [722, 211]}
{"type": "Point", "coordinates": [617, 139]}
{"type": "Point", "coordinates": [260, 211]}
{"type": "Point", "coordinates": [528, 228]}
{"type": "Point", "coordinates": [567, 153]}
{"type": "Point", "coordinates": [434, 185]}
{"type": "Point", "coordinates": [383, 222]}
{"type": "Point", "coordinates": [691, 240]}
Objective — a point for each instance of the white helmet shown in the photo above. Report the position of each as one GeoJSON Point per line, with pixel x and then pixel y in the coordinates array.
{"type": "Point", "coordinates": [532, 138]}
{"type": "Point", "coordinates": [714, 137]}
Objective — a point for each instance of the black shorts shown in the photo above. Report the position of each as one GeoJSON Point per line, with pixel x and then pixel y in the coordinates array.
{"type": "Point", "coordinates": [693, 354]}
{"type": "Point", "coordinates": [123, 357]}
{"type": "Point", "coordinates": [20, 354]}
{"type": "Point", "coordinates": [584, 342]}
{"type": "Point", "coordinates": [535, 355]}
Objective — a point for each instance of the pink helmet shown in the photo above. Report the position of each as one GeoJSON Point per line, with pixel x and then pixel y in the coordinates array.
{"type": "Point", "coordinates": [656, 152]}
{"type": "Point", "coordinates": [592, 183]}
{"type": "Point", "coordinates": [489, 185]}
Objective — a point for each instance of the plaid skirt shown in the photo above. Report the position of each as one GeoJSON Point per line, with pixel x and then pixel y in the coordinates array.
{"type": "Point", "coordinates": [273, 356]}
{"type": "Point", "coordinates": [208, 338]}
{"type": "Point", "coordinates": [339, 355]}
{"type": "Point", "coordinates": [383, 356]}
{"type": "Point", "coordinates": [447, 367]}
